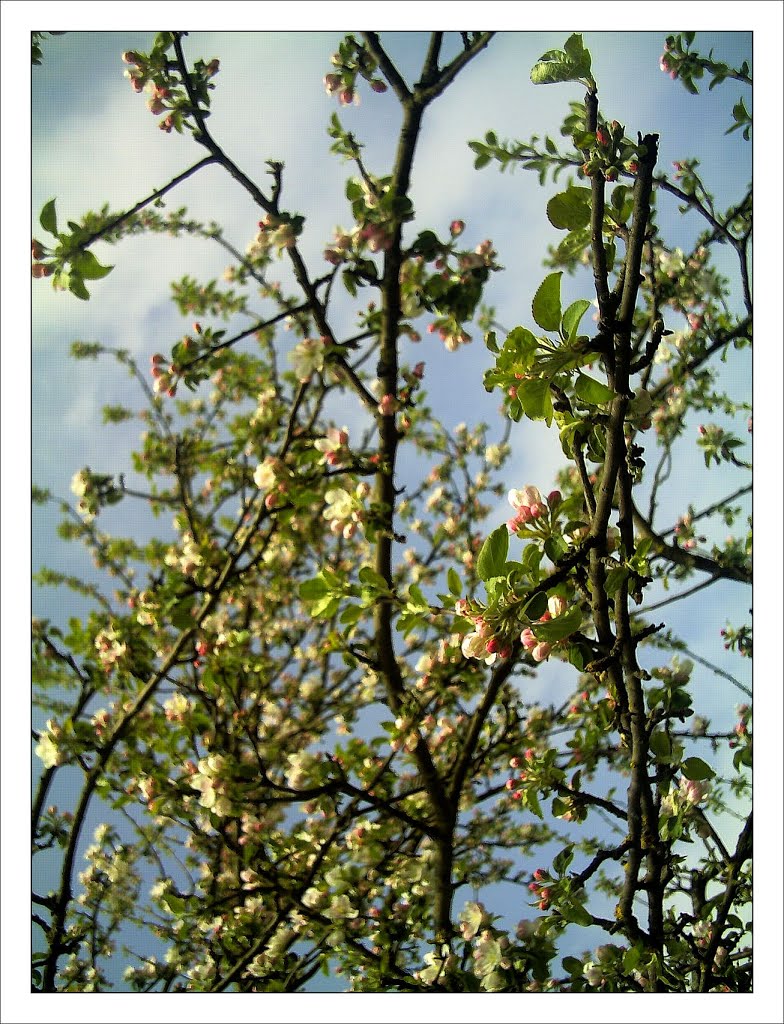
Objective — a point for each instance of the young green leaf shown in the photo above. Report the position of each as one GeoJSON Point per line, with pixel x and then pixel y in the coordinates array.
{"type": "Point", "coordinates": [546, 307]}
{"type": "Point", "coordinates": [559, 627]}
{"type": "Point", "coordinates": [48, 218]}
{"type": "Point", "coordinates": [570, 210]}
{"type": "Point", "coordinates": [570, 322]}
{"type": "Point", "coordinates": [492, 557]}
{"type": "Point", "coordinates": [76, 286]}
{"type": "Point", "coordinates": [87, 266]}
{"type": "Point", "coordinates": [454, 583]}
{"type": "Point", "coordinates": [591, 391]}
{"type": "Point", "coordinates": [535, 398]}
{"type": "Point", "coordinates": [696, 769]}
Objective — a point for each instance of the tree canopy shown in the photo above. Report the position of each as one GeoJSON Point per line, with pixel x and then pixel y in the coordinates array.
{"type": "Point", "coordinates": [349, 698]}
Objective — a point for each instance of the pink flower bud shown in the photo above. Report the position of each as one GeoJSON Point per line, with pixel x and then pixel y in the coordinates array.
{"type": "Point", "coordinates": [541, 652]}
{"type": "Point", "coordinates": [332, 83]}
{"type": "Point", "coordinates": [378, 86]}
{"type": "Point", "coordinates": [602, 137]}
{"type": "Point", "coordinates": [212, 68]}
{"type": "Point", "coordinates": [556, 606]}
{"type": "Point", "coordinates": [346, 97]}
{"type": "Point", "coordinates": [554, 498]}
{"type": "Point", "coordinates": [37, 250]}
{"type": "Point", "coordinates": [39, 270]}
{"type": "Point", "coordinates": [528, 639]}
{"type": "Point", "coordinates": [457, 227]}
{"type": "Point", "coordinates": [388, 405]}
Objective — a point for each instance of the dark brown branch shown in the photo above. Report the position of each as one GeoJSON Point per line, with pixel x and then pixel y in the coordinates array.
{"type": "Point", "coordinates": [688, 560]}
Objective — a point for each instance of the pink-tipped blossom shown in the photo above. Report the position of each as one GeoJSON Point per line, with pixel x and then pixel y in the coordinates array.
{"type": "Point", "coordinates": [332, 83]}
{"type": "Point", "coordinates": [388, 405]}
{"type": "Point", "coordinates": [525, 496]}
{"type": "Point", "coordinates": [541, 652]}
{"type": "Point", "coordinates": [527, 639]}
{"type": "Point", "coordinates": [556, 606]}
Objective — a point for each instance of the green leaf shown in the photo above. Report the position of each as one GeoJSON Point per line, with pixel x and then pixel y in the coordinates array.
{"type": "Point", "coordinates": [372, 579]}
{"type": "Point", "coordinates": [552, 70]}
{"type": "Point", "coordinates": [696, 769]}
{"type": "Point", "coordinates": [521, 346]}
{"type": "Point", "coordinates": [416, 598]}
{"type": "Point", "coordinates": [630, 959]}
{"type": "Point", "coordinates": [351, 614]}
{"type": "Point", "coordinates": [181, 617]}
{"type": "Point", "coordinates": [614, 580]}
{"type": "Point", "coordinates": [562, 860]}
{"type": "Point", "coordinates": [660, 744]}
{"type": "Point", "coordinates": [591, 391]}
{"type": "Point", "coordinates": [555, 548]}
{"type": "Point", "coordinates": [426, 244]}
{"type": "Point", "coordinates": [574, 913]}
{"type": "Point", "coordinates": [567, 65]}
{"type": "Point", "coordinates": [454, 583]}
{"type": "Point", "coordinates": [312, 590]}
{"type": "Point", "coordinates": [492, 557]}
{"type": "Point", "coordinates": [559, 627]}
{"type": "Point", "coordinates": [577, 51]}
{"type": "Point", "coordinates": [534, 396]}
{"type": "Point", "coordinates": [87, 266]}
{"type": "Point", "coordinates": [48, 218]}
{"type": "Point", "coordinates": [546, 307]}
{"type": "Point", "coordinates": [572, 965]}
{"type": "Point", "coordinates": [76, 285]}
{"type": "Point", "coordinates": [536, 607]}
{"type": "Point", "coordinates": [325, 607]}
{"type": "Point", "coordinates": [570, 210]}
{"type": "Point", "coordinates": [570, 322]}
{"type": "Point", "coordinates": [532, 803]}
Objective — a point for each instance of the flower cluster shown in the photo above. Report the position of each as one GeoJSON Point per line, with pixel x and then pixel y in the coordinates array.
{"type": "Point", "coordinates": [307, 357]}
{"type": "Point", "coordinates": [185, 559]}
{"type": "Point", "coordinates": [345, 511]}
{"type": "Point", "coordinates": [689, 794]}
{"type": "Point", "coordinates": [150, 73]}
{"type": "Point", "coordinates": [94, 490]}
{"type": "Point", "coordinates": [212, 788]}
{"type": "Point", "coordinates": [47, 749]}
{"type": "Point", "coordinates": [351, 61]}
{"type": "Point", "coordinates": [111, 648]}
{"type": "Point", "coordinates": [334, 446]}
{"type": "Point", "coordinates": [276, 231]}
{"type": "Point", "coordinates": [529, 504]}
{"type": "Point", "coordinates": [38, 251]}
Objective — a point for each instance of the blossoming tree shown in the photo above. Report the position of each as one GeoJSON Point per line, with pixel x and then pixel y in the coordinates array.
{"type": "Point", "coordinates": [304, 722]}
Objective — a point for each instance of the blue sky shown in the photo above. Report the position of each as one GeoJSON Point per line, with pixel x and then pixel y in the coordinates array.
{"type": "Point", "coordinates": [93, 140]}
